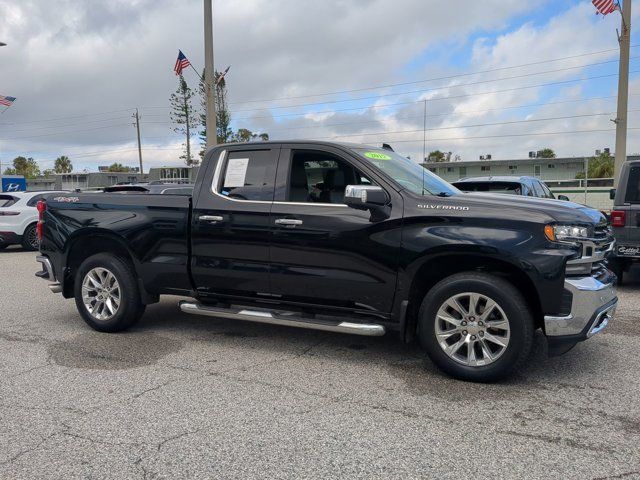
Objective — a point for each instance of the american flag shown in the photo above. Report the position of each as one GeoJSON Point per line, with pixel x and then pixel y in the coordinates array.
{"type": "Point", "coordinates": [221, 75]}
{"type": "Point", "coordinates": [7, 101]}
{"type": "Point", "coordinates": [605, 7]}
{"type": "Point", "coordinates": [181, 63]}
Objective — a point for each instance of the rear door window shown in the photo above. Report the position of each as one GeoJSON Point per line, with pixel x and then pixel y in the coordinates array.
{"type": "Point", "coordinates": [248, 175]}
{"type": "Point", "coordinates": [34, 200]}
{"type": "Point", "coordinates": [632, 194]}
{"type": "Point", "coordinates": [7, 200]}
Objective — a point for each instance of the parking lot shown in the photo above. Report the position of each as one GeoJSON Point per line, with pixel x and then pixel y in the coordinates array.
{"type": "Point", "coordinates": [183, 396]}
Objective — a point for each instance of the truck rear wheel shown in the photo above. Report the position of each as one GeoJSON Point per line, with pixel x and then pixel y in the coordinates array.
{"type": "Point", "coordinates": [476, 327]}
{"type": "Point", "coordinates": [106, 293]}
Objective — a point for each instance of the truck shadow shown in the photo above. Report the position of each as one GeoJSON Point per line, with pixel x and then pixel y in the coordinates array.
{"type": "Point", "coordinates": [407, 364]}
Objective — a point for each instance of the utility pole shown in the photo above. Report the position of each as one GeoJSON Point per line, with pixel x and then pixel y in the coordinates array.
{"type": "Point", "coordinates": [212, 130]}
{"type": "Point", "coordinates": [137, 125]}
{"type": "Point", "coordinates": [424, 133]}
{"type": "Point", "coordinates": [623, 91]}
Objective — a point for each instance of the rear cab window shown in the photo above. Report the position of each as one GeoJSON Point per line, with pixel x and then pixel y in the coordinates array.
{"type": "Point", "coordinates": [247, 175]}
{"type": "Point", "coordinates": [512, 188]}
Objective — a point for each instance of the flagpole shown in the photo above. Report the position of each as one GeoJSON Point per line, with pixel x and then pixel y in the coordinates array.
{"type": "Point", "coordinates": [623, 91]}
{"type": "Point", "coordinates": [209, 85]}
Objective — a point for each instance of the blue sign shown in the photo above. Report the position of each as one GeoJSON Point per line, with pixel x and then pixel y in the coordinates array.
{"type": "Point", "coordinates": [13, 184]}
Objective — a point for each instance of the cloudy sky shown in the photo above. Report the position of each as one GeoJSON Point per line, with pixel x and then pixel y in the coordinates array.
{"type": "Point", "coordinates": [498, 76]}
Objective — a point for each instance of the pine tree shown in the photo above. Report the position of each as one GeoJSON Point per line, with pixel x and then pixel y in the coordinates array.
{"type": "Point", "coordinates": [184, 117]}
{"type": "Point", "coordinates": [224, 133]}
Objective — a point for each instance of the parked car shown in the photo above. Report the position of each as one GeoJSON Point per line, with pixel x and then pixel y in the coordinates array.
{"type": "Point", "coordinates": [343, 238]}
{"type": "Point", "coordinates": [18, 219]}
{"type": "Point", "coordinates": [523, 185]}
{"type": "Point", "coordinates": [625, 219]}
{"type": "Point", "coordinates": [153, 188]}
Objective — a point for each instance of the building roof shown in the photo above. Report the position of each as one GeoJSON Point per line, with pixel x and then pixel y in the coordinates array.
{"type": "Point", "coordinates": [513, 161]}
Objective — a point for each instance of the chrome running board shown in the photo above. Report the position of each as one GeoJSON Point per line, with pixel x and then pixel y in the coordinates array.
{"type": "Point", "coordinates": [287, 319]}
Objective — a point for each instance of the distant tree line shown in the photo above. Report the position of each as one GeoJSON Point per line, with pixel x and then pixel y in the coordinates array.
{"type": "Point", "coordinates": [29, 168]}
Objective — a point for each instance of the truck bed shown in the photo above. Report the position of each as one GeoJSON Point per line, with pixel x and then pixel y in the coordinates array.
{"type": "Point", "coordinates": [154, 230]}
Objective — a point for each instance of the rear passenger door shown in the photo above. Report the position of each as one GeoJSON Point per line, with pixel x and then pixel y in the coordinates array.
{"type": "Point", "coordinates": [230, 224]}
{"type": "Point", "coordinates": [323, 252]}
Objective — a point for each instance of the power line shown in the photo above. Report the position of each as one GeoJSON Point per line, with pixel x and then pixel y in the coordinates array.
{"type": "Point", "coordinates": [65, 133]}
{"type": "Point", "coordinates": [71, 116]}
{"type": "Point", "coordinates": [422, 90]}
{"type": "Point", "coordinates": [66, 125]}
{"type": "Point", "coordinates": [449, 77]}
{"type": "Point", "coordinates": [429, 140]}
{"type": "Point", "coordinates": [453, 127]}
{"type": "Point", "coordinates": [438, 98]}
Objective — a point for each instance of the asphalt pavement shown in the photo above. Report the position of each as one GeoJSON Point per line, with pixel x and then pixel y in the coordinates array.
{"type": "Point", "coordinates": [183, 396]}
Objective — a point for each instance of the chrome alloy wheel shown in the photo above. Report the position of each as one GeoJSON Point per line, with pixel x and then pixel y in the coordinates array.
{"type": "Point", "coordinates": [101, 293]}
{"type": "Point", "coordinates": [472, 329]}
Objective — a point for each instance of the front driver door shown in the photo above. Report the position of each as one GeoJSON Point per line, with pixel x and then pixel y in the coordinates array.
{"type": "Point", "coordinates": [323, 252]}
{"type": "Point", "coordinates": [230, 224]}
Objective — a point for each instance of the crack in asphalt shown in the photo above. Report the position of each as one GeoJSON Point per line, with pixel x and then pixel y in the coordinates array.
{"type": "Point", "coordinates": [563, 441]}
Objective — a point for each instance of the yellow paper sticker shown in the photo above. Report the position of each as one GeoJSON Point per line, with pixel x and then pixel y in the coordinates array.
{"type": "Point", "coordinates": [377, 156]}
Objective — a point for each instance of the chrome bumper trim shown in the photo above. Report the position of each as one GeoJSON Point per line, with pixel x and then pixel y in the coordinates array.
{"type": "Point", "coordinates": [589, 296]}
{"type": "Point", "coordinates": [46, 267]}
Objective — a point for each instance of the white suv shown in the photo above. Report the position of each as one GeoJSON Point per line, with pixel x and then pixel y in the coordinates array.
{"type": "Point", "coordinates": [18, 219]}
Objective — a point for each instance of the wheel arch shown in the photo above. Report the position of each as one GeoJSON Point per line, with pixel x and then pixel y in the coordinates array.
{"type": "Point", "coordinates": [433, 270]}
{"type": "Point", "coordinates": [85, 246]}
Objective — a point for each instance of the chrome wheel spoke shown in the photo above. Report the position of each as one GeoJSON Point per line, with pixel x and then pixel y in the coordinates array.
{"type": "Point", "coordinates": [453, 349]}
{"type": "Point", "coordinates": [101, 293]}
{"type": "Point", "coordinates": [503, 342]}
{"type": "Point", "coordinates": [483, 329]}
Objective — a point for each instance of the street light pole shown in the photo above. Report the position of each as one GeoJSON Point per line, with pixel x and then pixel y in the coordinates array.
{"type": "Point", "coordinates": [623, 91]}
{"type": "Point", "coordinates": [209, 86]}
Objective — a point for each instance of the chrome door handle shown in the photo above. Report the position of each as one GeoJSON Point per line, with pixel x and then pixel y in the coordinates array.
{"type": "Point", "coordinates": [290, 222]}
{"type": "Point", "coordinates": [210, 218]}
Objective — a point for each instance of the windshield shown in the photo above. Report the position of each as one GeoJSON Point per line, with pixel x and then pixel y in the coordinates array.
{"type": "Point", "coordinates": [407, 173]}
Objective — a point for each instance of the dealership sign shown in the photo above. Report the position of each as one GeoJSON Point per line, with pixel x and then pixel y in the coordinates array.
{"type": "Point", "coordinates": [13, 184]}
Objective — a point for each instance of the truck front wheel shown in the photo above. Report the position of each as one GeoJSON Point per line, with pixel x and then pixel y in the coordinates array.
{"type": "Point", "coordinates": [476, 327]}
{"type": "Point", "coordinates": [106, 293]}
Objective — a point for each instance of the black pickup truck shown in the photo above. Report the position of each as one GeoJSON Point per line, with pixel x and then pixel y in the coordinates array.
{"type": "Point", "coordinates": [341, 238]}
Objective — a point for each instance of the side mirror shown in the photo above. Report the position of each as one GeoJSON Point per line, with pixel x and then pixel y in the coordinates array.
{"type": "Point", "coordinates": [563, 197]}
{"type": "Point", "coordinates": [365, 197]}
{"type": "Point", "coordinates": [612, 194]}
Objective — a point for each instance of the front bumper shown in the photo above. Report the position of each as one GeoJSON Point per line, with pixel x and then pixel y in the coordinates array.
{"type": "Point", "coordinates": [48, 273]}
{"type": "Point", "coordinates": [593, 306]}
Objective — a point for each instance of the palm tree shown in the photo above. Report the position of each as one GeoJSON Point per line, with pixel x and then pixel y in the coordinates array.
{"type": "Point", "coordinates": [63, 165]}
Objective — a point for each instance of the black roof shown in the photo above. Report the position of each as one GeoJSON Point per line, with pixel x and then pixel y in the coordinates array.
{"type": "Point", "coordinates": [499, 178]}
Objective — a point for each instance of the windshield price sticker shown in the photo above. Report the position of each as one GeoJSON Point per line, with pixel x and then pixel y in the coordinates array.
{"type": "Point", "coordinates": [236, 172]}
{"type": "Point", "coordinates": [377, 156]}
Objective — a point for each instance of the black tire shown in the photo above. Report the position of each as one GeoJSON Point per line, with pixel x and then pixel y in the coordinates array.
{"type": "Point", "coordinates": [3, 246]}
{"type": "Point", "coordinates": [130, 308]}
{"type": "Point", "coordinates": [30, 238]}
{"type": "Point", "coordinates": [512, 303]}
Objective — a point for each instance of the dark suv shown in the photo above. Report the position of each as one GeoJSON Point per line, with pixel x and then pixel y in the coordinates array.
{"type": "Point", "coordinates": [527, 186]}
{"type": "Point", "coordinates": [625, 219]}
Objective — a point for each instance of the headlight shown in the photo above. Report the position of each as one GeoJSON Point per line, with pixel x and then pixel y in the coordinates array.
{"type": "Point", "coordinates": [563, 232]}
